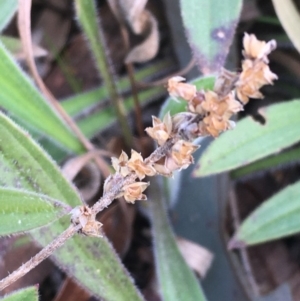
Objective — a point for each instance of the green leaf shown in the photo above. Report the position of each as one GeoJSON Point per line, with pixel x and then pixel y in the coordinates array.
{"type": "Point", "coordinates": [21, 210]}
{"type": "Point", "coordinates": [86, 12]}
{"type": "Point", "coordinates": [93, 262]}
{"type": "Point", "coordinates": [275, 218]}
{"type": "Point", "coordinates": [283, 158]}
{"type": "Point", "coordinates": [210, 27]}
{"type": "Point", "coordinates": [7, 10]}
{"type": "Point", "coordinates": [27, 294]}
{"type": "Point", "coordinates": [106, 117]}
{"type": "Point", "coordinates": [176, 280]}
{"type": "Point", "coordinates": [251, 140]}
{"type": "Point", "coordinates": [289, 17]}
{"type": "Point", "coordinates": [23, 101]}
{"type": "Point", "coordinates": [176, 106]}
{"type": "Point", "coordinates": [74, 105]}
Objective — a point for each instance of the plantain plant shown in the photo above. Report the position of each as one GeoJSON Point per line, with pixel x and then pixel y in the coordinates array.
{"type": "Point", "coordinates": [36, 197]}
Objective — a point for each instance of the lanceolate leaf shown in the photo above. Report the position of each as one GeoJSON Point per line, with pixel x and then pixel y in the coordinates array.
{"type": "Point", "coordinates": [176, 106]}
{"type": "Point", "coordinates": [289, 17]}
{"type": "Point", "coordinates": [210, 26]}
{"type": "Point", "coordinates": [177, 282]}
{"type": "Point", "coordinates": [251, 140]}
{"type": "Point", "coordinates": [92, 262]}
{"type": "Point", "coordinates": [275, 218]}
{"type": "Point", "coordinates": [274, 161]}
{"type": "Point", "coordinates": [27, 294]}
{"type": "Point", "coordinates": [22, 100]}
{"type": "Point", "coordinates": [21, 210]}
{"type": "Point", "coordinates": [7, 10]}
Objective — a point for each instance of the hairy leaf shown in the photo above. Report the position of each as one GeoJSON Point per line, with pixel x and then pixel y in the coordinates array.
{"type": "Point", "coordinates": [177, 282]}
{"type": "Point", "coordinates": [250, 140]}
{"type": "Point", "coordinates": [21, 210]}
{"type": "Point", "coordinates": [287, 157]}
{"type": "Point", "coordinates": [92, 262]}
{"type": "Point", "coordinates": [7, 10]}
{"type": "Point", "coordinates": [210, 26]}
{"type": "Point", "coordinates": [26, 294]}
{"type": "Point", "coordinates": [22, 100]}
{"type": "Point", "coordinates": [275, 218]}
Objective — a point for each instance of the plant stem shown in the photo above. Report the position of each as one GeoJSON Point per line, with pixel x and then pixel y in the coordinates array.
{"type": "Point", "coordinates": [39, 257]}
{"type": "Point", "coordinates": [87, 16]}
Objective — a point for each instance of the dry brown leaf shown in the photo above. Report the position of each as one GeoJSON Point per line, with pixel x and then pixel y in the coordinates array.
{"type": "Point", "coordinates": [148, 49]}
{"type": "Point", "coordinates": [130, 12]}
{"type": "Point", "coordinates": [197, 257]}
{"type": "Point", "coordinates": [91, 173]}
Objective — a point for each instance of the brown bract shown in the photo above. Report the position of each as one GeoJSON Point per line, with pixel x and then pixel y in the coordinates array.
{"type": "Point", "coordinates": [137, 164]}
{"type": "Point", "coordinates": [120, 165]}
{"type": "Point", "coordinates": [177, 88]}
{"type": "Point", "coordinates": [161, 130]}
{"type": "Point", "coordinates": [133, 192]}
{"type": "Point", "coordinates": [180, 156]}
{"type": "Point", "coordinates": [255, 69]}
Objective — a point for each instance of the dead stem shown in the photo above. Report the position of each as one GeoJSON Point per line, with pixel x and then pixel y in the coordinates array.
{"type": "Point", "coordinates": [24, 25]}
{"type": "Point", "coordinates": [134, 90]}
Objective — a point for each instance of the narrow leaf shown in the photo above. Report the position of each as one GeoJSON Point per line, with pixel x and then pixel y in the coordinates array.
{"type": "Point", "coordinates": [210, 26]}
{"type": "Point", "coordinates": [93, 262]}
{"type": "Point", "coordinates": [278, 160]}
{"type": "Point", "coordinates": [87, 16]}
{"type": "Point", "coordinates": [74, 105]}
{"type": "Point", "coordinates": [21, 210]}
{"type": "Point", "coordinates": [176, 280]}
{"type": "Point", "coordinates": [289, 17]}
{"type": "Point", "coordinates": [275, 218]}
{"type": "Point", "coordinates": [251, 140]}
{"type": "Point", "coordinates": [7, 10]}
{"type": "Point", "coordinates": [27, 294]}
{"type": "Point", "coordinates": [22, 100]}
{"type": "Point", "coordinates": [14, 46]}
{"type": "Point", "coordinates": [176, 106]}
{"type": "Point", "coordinates": [106, 117]}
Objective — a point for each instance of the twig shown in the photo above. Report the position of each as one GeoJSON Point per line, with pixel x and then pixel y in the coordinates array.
{"type": "Point", "coordinates": [134, 89]}
{"type": "Point", "coordinates": [242, 250]}
{"type": "Point", "coordinates": [39, 257]}
{"type": "Point", "coordinates": [103, 202]}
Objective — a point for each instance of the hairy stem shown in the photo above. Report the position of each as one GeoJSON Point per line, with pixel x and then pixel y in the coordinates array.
{"type": "Point", "coordinates": [87, 16]}
{"type": "Point", "coordinates": [39, 257]}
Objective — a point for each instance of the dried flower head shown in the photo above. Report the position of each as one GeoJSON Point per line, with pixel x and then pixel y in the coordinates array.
{"type": "Point", "coordinates": [256, 49]}
{"type": "Point", "coordinates": [137, 164]}
{"type": "Point", "coordinates": [120, 165]}
{"type": "Point", "coordinates": [180, 156]}
{"type": "Point", "coordinates": [133, 192]}
{"type": "Point", "coordinates": [177, 88]}
{"type": "Point", "coordinates": [255, 69]}
{"type": "Point", "coordinates": [161, 130]}
{"type": "Point", "coordinates": [84, 216]}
